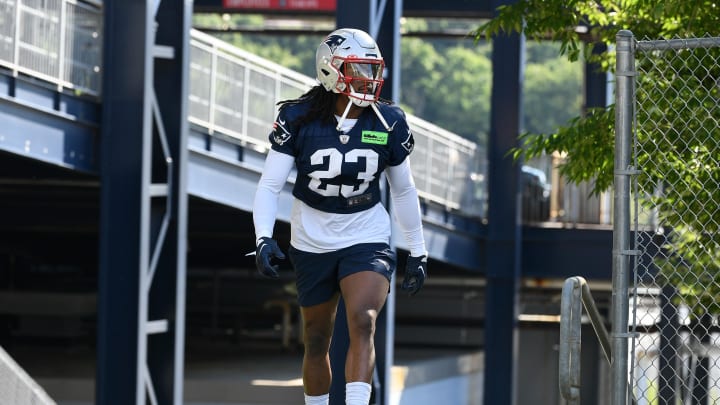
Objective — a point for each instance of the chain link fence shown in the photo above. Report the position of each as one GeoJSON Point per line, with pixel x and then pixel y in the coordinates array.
{"type": "Point", "coordinates": [668, 214]}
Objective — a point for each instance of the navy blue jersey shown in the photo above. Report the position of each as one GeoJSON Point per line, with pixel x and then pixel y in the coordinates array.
{"type": "Point", "coordinates": [340, 172]}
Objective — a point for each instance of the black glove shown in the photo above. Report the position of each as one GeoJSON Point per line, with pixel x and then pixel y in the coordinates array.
{"type": "Point", "coordinates": [415, 273]}
{"type": "Point", "coordinates": [267, 250]}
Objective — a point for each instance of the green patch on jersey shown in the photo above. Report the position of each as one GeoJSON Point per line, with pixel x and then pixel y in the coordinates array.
{"type": "Point", "coordinates": [376, 137]}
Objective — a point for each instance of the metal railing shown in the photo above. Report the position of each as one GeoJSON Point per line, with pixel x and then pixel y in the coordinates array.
{"type": "Point", "coordinates": [576, 295]}
{"type": "Point", "coordinates": [58, 41]}
{"type": "Point", "coordinates": [235, 93]}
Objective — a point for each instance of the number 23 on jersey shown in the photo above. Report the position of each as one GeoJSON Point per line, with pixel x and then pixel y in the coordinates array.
{"type": "Point", "coordinates": [336, 159]}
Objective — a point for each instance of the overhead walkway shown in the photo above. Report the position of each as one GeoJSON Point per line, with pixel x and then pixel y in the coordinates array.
{"type": "Point", "coordinates": [50, 102]}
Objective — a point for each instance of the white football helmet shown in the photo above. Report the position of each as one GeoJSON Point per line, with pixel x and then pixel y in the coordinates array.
{"type": "Point", "coordinates": [348, 61]}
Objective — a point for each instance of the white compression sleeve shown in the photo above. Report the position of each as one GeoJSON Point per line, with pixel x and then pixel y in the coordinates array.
{"type": "Point", "coordinates": [275, 173]}
{"type": "Point", "coordinates": [406, 206]}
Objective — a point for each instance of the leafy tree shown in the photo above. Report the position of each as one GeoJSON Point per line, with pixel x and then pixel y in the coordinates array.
{"type": "Point", "coordinates": [553, 92]}
{"type": "Point", "coordinates": [541, 52]}
{"type": "Point", "coordinates": [465, 93]}
{"type": "Point", "coordinates": [450, 89]}
{"type": "Point", "coordinates": [419, 75]}
{"type": "Point", "coordinates": [679, 154]}
{"type": "Point", "coordinates": [560, 20]}
{"type": "Point", "coordinates": [448, 82]}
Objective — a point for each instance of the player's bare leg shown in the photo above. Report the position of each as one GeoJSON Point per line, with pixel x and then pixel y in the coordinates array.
{"type": "Point", "coordinates": [364, 293]}
{"type": "Point", "coordinates": [318, 322]}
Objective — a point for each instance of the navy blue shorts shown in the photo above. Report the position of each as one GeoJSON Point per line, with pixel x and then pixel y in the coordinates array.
{"type": "Point", "coordinates": [318, 274]}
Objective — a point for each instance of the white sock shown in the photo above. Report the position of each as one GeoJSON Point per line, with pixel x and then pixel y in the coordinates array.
{"type": "Point", "coordinates": [317, 400]}
{"type": "Point", "coordinates": [357, 393]}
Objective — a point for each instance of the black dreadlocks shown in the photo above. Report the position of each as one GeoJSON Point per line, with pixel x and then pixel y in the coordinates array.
{"type": "Point", "coordinates": [322, 105]}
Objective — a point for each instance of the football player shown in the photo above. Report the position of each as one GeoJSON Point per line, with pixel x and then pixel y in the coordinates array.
{"type": "Point", "coordinates": [340, 137]}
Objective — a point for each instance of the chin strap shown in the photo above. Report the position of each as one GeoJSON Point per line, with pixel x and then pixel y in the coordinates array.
{"type": "Point", "coordinates": [342, 118]}
{"type": "Point", "coordinates": [373, 106]}
{"type": "Point", "coordinates": [381, 118]}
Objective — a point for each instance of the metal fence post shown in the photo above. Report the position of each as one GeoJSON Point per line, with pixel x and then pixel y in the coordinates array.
{"type": "Point", "coordinates": [624, 73]}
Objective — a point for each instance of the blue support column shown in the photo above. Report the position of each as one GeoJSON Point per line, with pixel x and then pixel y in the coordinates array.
{"type": "Point", "coordinates": [700, 375]}
{"type": "Point", "coordinates": [669, 346]}
{"type": "Point", "coordinates": [354, 14]}
{"type": "Point", "coordinates": [596, 96]}
{"type": "Point", "coordinates": [504, 227]}
{"type": "Point", "coordinates": [596, 81]}
{"type": "Point", "coordinates": [143, 203]}
{"type": "Point", "coordinates": [121, 169]}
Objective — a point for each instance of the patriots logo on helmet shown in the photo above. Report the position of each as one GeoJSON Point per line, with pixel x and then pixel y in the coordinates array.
{"type": "Point", "coordinates": [409, 143]}
{"type": "Point", "coordinates": [333, 41]}
{"type": "Point", "coordinates": [282, 136]}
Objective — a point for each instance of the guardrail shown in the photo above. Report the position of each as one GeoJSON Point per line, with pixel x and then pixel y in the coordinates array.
{"type": "Point", "coordinates": [576, 295]}
{"type": "Point", "coordinates": [58, 41]}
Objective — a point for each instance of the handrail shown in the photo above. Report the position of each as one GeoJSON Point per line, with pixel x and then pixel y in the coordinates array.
{"type": "Point", "coordinates": [569, 350]}
{"type": "Point", "coordinates": [64, 47]}
{"type": "Point", "coordinates": [574, 293]}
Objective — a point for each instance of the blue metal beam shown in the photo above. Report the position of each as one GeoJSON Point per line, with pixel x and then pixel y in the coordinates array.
{"type": "Point", "coordinates": [123, 166]}
{"type": "Point", "coordinates": [559, 253]}
{"type": "Point", "coordinates": [504, 240]}
{"type": "Point", "coordinates": [41, 123]}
